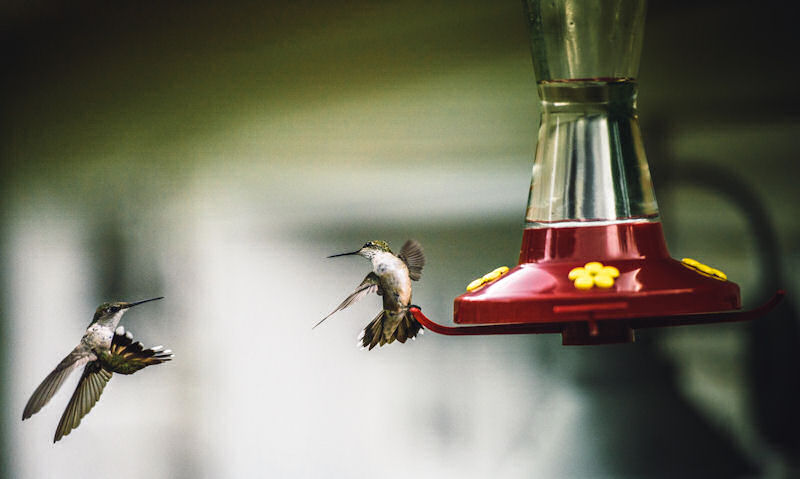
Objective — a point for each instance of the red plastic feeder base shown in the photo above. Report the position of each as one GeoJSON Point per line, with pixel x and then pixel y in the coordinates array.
{"type": "Point", "coordinates": [539, 293]}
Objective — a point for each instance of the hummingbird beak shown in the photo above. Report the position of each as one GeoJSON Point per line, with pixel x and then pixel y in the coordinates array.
{"type": "Point", "coordinates": [343, 254]}
{"type": "Point", "coordinates": [130, 305]}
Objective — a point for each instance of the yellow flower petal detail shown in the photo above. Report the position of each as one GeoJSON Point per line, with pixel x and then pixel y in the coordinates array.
{"type": "Point", "coordinates": [575, 272]}
{"type": "Point", "coordinates": [609, 271]}
{"type": "Point", "coordinates": [719, 273]}
{"type": "Point", "coordinates": [705, 269]}
{"type": "Point", "coordinates": [584, 282]}
{"type": "Point", "coordinates": [475, 284]}
{"type": "Point", "coordinates": [603, 280]}
{"type": "Point", "coordinates": [593, 274]}
{"type": "Point", "coordinates": [690, 261]}
{"type": "Point", "coordinates": [594, 267]}
{"type": "Point", "coordinates": [491, 276]}
{"type": "Point", "coordinates": [501, 270]}
{"type": "Point", "coordinates": [487, 278]}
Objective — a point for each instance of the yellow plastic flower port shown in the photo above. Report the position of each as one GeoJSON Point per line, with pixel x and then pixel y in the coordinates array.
{"type": "Point", "coordinates": [593, 274]}
{"type": "Point", "coordinates": [487, 278]}
{"type": "Point", "coordinates": [704, 269]}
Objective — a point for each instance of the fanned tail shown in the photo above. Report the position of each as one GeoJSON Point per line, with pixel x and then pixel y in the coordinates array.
{"type": "Point", "coordinates": [408, 328]}
{"type": "Point", "coordinates": [372, 334]}
{"type": "Point", "coordinates": [381, 331]}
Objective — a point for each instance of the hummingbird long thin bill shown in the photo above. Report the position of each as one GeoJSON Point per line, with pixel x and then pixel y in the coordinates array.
{"type": "Point", "coordinates": [104, 349]}
{"type": "Point", "coordinates": [391, 279]}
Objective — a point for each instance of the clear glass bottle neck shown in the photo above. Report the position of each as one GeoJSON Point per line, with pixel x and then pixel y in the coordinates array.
{"type": "Point", "coordinates": [590, 166]}
{"type": "Point", "coordinates": [581, 39]}
{"type": "Point", "coordinates": [616, 96]}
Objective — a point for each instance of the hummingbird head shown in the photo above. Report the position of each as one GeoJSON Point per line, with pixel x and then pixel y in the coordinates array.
{"type": "Point", "coordinates": [370, 249]}
{"type": "Point", "coordinates": [116, 308]}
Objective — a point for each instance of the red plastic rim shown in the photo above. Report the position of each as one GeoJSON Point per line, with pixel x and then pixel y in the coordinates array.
{"type": "Point", "coordinates": [629, 324]}
{"type": "Point", "coordinates": [538, 296]}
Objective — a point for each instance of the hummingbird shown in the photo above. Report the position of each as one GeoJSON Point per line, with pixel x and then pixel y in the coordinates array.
{"type": "Point", "coordinates": [390, 278]}
{"type": "Point", "coordinates": [104, 349]}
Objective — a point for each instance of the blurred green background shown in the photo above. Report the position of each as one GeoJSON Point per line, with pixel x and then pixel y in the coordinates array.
{"type": "Point", "coordinates": [215, 154]}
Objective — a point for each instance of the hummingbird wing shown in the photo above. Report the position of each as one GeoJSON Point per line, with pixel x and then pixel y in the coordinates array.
{"type": "Point", "coordinates": [79, 356]}
{"type": "Point", "coordinates": [127, 356]}
{"type": "Point", "coordinates": [411, 253]}
{"type": "Point", "coordinates": [90, 387]}
{"type": "Point", "coordinates": [369, 285]}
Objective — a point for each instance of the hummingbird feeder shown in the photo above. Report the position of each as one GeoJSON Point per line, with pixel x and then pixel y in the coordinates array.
{"type": "Point", "coordinates": [594, 264]}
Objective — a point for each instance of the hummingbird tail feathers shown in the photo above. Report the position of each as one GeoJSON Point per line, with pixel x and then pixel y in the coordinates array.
{"type": "Point", "coordinates": [373, 333]}
{"type": "Point", "coordinates": [408, 328]}
{"type": "Point", "coordinates": [380, 331]}
{"type": "Point", "coordinates": [127, 356]}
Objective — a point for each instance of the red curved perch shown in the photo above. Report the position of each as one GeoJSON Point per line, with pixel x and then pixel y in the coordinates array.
{"type": "Point", "coordinates": [632, 323]}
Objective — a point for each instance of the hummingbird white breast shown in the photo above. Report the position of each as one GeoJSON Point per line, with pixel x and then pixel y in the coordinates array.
{"type": "Point", "coordinates": [394, 278]}
{"type": "Point", "coordinates": [98, 337]}
{"type": "Point", "coordinates": [100, 333]}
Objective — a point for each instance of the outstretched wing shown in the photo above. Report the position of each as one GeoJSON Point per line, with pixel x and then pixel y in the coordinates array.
{"type": "Point", "coordinates": [90, 387]}
{"type": "Point", "coordinates": [411, 253]}
{"type": "Point", "coordinates": [52, 383]}
{"type": "Point", "coordinates": [369, 285]}
{"type": "Point", "coordinates": [127, 356]}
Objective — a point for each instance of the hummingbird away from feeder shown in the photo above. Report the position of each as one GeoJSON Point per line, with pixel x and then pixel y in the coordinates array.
{"type": "Point", "coordinates": [104, 349]}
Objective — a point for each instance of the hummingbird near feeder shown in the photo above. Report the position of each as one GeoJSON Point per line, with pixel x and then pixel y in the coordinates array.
{"type": "Point", "coordinates": [391, 279]}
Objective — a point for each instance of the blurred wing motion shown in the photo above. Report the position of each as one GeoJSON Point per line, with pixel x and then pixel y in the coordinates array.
{"type": "Point", "coordinates": [369, 285]}
{"type": "Point", "coordinates": [411, 253]}
{"type": "Point", "coordinates": [52, 383]}
{"type": "Point", "coordinates": [124, 357]}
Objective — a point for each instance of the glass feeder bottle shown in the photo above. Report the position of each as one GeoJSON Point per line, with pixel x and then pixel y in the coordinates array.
{"type": "Point", "coordinates": [590, 166]}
